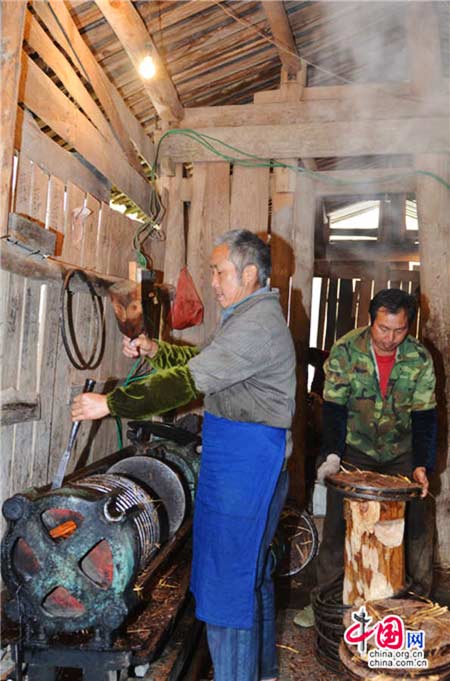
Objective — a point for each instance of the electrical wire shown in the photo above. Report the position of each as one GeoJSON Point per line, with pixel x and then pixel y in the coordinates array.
{"type": "Point", "coordinates": [132, 376]}
{"type": "Point", "coordinates": [277, 44]}
{"type": "Point", "coordinates": [254, 161]}
{"type": "Point", "coordinates": [283, 48]}
{"type": "Point", "coordinates": [157, 209]}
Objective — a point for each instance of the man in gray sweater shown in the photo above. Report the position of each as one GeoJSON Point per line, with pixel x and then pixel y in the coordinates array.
{"type": "Point", "coordinates": [247, 376]}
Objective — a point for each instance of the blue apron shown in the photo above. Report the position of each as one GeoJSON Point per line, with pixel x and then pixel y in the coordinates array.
{"type": "Point", "coordinates": [240, 465]}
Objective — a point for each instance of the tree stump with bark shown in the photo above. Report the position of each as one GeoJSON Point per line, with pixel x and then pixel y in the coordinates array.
{"type": "Point", "coordinates": [374, 556]}
{"type": "Point", "coordinates": [374, 510]}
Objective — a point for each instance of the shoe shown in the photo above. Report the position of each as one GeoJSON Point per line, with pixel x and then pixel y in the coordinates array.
{"type": "Point", "coordinates": [305, 617]}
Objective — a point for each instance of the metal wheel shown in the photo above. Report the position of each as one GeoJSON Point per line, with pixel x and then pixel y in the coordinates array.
{"type": "Point", "coordinates": [296, 541]}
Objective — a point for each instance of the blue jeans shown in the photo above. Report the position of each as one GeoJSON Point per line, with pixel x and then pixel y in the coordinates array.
{"type": "Point", "coordinates": [250, 654]}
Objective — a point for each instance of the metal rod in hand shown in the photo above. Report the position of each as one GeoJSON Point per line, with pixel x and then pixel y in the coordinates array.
{"type": "Point", "coordinates": [62, 466]}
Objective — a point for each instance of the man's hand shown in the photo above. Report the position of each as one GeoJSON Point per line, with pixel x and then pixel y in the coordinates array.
{"type": "Point", "coordinates": [140, 346]}
{"type": "Point", "coordinates": [420, 476]}
{"type": "Point", "coordinates": [330, 466]}
{"type": "Point", "coordinates": [89, 406]}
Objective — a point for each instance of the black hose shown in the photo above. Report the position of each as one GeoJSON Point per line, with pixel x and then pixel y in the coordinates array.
{"type": "Point", "coordinates": [67, 326]}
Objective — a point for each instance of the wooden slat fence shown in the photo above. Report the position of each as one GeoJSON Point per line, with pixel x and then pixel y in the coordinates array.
{"type": "Point", "coordinates": [32, 355]}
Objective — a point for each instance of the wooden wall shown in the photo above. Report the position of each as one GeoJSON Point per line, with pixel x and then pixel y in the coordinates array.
{"type": "Point", "coordinates": [33, 358]}
{"type": "Point", "coordinates": [63, 182]}
{"type": "Point", "coordinates": [344, 301]}
{"type": "Point", "coordinates": [215, 198]}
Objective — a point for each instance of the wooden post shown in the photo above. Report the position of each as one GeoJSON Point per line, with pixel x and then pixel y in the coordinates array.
{"type": "Point", "coordinates": [374, 556]}
{"type": "Point", "coordinates": [283, 195]}
{"type": "Point", "coordinates": [303, 246]}
{"type": "Point", "coordinates": [422, 29]}
{"type": "Point", "coordinates": [249, 200]}
{"type": "Point", "coordinates": [209, 217]}
{"type": "Point", "coordinates": [132, 32]}
{"type": "Point", "coordinates": [12, 19]}
{"type": "Point", "coordinates": [433, 207]}
{"type": "Point", "coordinates": [365, 292]}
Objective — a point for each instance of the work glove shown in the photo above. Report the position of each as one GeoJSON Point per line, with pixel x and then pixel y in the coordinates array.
{"type": "Point", "coordinates": [330, 466]}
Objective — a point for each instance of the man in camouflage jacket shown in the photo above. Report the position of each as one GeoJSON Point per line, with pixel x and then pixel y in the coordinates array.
{"type": "Point", "coordinates": [379, 414]}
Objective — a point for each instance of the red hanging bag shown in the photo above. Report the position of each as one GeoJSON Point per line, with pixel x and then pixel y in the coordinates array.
{"type": "Point", "coordinates": [187, 308]}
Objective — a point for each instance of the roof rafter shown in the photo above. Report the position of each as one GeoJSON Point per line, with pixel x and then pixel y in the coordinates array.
{"type": "Point", "coordinates": [56, 17]}
{"type": "Point", "coordinates": [137, 42]}
{"type": "Point", "coordinates": [282, 34]}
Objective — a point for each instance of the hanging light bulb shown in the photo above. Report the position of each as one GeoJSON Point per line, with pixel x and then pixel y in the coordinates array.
{"type": "Point", "coordinates": [147, 68]}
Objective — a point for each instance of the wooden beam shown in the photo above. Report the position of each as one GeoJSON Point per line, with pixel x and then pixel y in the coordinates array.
{"type": "Point", "coordinates": [343, 269]}
{"type": "Point", "coordinates": [17, 407]}
{"type": "Point", "coordinates": [313, 140]}
{"type": "Point", "coordinates": [39, 41]}
{"type": "Point", "coordinates": [392, 220]}
{"type": "Point", "coordinates": [45, 99]}
{"type": "Point", "coordinates": [126, 127]}
{"type": "Point", "coordinates": [304, 216]}
{"type": "Point", "coordinates": [282, 34]}
{"type": "Point", "coordinates": [425, 64]}
{"type": "Point", "coordinates": [12, 19]}
{"type": "Point", "coordinates": [55, 160]}
{"type": "Point", "coordinates": [281, 231]}
{"type": "Point", "coordinates": [365, 182]}
{"type": "Point", "coordinates": [30, 234]}
{"type": "Point", "coordinates": [349, 105]}
{"type": "Point", "coordinates": [433, 208]}
{"type": "Point", "coordinates": [372, 251]}
{"type": "Point", "coordinates": [330, 92]}
{"type": "Point", "coordinates": [49, 270]}
{"type": "Point", "coordinates": [138, 43]}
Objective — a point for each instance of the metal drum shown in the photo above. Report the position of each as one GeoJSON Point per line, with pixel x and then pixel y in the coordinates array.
{"type": "Point", "coordinates": [183, 458]}
{"type": "Point", "coordinates": [163, 483]}
{"type": "Point", "coordinates": [295, 542]}
{"type": "Point", "coordinates": [71, 556]}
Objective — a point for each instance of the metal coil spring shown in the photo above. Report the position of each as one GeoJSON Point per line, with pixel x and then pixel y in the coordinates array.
{"type": "Point", "coordinates": [129, 495]}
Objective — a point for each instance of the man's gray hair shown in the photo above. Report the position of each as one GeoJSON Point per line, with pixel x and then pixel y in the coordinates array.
{"type": "Point", "coordinates": [247, 249]}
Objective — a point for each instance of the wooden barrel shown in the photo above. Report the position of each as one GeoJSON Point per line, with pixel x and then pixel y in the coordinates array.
{"type": "Point", "coordinates": [374, 509]}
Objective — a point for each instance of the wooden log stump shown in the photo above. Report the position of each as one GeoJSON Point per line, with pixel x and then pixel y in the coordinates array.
{"type": "Point", "coordinates": [374, 556]}
{"type": "Point", "coordinates": [374, 511]}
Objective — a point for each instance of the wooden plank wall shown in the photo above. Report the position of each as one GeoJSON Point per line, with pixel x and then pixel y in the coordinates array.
{"type": "Point", "coordinates": [219, 198]}
{"type": "Point", "coordinates": [344, 303]}
{"type": "Point", "coordinates": [68, 193]}
{"type": "Point", "coordinates": [32, 355]}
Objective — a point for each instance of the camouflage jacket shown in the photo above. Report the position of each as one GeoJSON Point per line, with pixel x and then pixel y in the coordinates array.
{"type": "Point", "coordinates": [375, 426]}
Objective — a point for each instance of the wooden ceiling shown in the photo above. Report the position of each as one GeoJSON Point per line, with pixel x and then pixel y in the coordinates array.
{"type": "Point", "coordinates": [223, 52]}
{"type": "Point", "coordinates": [215, 53]}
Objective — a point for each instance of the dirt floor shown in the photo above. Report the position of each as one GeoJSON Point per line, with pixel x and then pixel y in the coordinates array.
{"type": "Point", "coordinates": [296, 652]}
{"type": "Point", "coordinates": [296, 644]}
